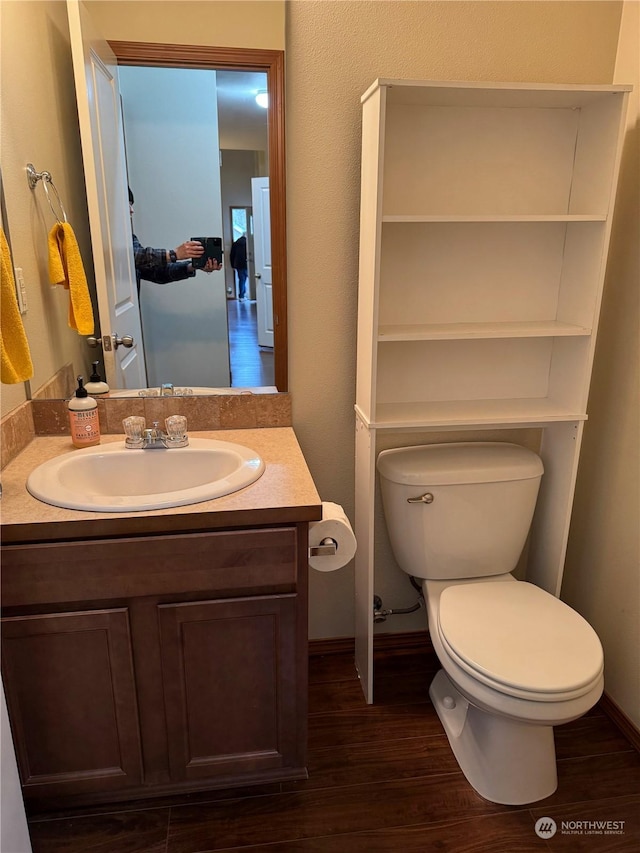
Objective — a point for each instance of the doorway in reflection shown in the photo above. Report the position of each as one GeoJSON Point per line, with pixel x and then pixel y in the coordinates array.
{"type": "Point", "coordinates": [251, 365]}
{"type": "Point", "coordinates": [241, 228]}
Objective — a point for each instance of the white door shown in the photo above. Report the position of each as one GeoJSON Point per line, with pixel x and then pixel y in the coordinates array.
{"type": "Point", "coordinates": [262, 259]}
{"type": "Point", "coordinates": [96, 76]}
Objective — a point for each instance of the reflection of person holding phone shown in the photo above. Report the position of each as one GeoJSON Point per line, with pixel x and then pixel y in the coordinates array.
{"type": "Point", "coordinates": [163, 266]}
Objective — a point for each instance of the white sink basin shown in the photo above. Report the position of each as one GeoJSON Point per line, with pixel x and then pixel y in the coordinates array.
{"type": "Point", "coordinates": [111, 478]}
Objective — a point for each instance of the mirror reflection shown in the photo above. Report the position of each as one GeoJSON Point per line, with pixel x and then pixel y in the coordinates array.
{"type": "Point", "coordinates": [198, 167]}
{"type": "Point", "coordinates": [47, 134]}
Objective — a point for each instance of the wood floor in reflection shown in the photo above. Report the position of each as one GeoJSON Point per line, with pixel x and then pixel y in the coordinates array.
{"type": "Point", "coordinates": [250, 364]}
{"type": "Point", "coordinates": [381, 780]}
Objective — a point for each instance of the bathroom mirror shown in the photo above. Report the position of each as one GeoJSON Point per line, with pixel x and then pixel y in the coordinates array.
{"type": "Point", "coordinates": [169, 358]}
{"type": "Point", "coordinates": [47, 73]}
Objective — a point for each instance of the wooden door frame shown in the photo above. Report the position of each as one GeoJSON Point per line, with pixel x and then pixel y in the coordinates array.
{"type": "Point", "coordinates": [270, 62]}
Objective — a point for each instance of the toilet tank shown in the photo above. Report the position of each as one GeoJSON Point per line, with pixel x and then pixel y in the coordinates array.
{"type": "Point", "coordinates": [477, 520]}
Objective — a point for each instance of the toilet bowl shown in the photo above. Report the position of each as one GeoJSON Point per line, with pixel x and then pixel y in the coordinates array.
{"type": "Point", "coordinates": [516, 661]}
{"type": "Point", "coordinates": [499, 698]}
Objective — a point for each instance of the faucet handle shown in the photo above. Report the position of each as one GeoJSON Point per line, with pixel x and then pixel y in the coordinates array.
{"type": "Point", "coordinates": [134, 428]}
{"type": "Point", "coordinates": [177, 429]}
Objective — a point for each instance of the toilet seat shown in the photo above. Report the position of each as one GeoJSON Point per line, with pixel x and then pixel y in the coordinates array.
{"type": "Point", "coordinates": [519, 640]}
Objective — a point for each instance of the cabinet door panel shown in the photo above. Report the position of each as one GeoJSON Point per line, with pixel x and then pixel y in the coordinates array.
{"type": "Point", "coordinates": [71, 694]}
{"type": "Point", "coordinates": [229, 670]}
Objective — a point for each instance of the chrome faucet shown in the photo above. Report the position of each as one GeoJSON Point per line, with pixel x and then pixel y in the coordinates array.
{"type": "Point", "coordinates": [156, 439]}
{"type": "Point", "coordinates": [140, 438]}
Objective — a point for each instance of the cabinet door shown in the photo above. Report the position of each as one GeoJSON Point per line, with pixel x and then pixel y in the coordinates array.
{"type": "Point", "coordinates": [230, 686]}
{"type": "Point", "coordinates": [70, 690]}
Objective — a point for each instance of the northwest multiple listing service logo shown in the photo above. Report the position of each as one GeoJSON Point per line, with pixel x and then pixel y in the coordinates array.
{"type": "Point", "coordinates": [546, 827]}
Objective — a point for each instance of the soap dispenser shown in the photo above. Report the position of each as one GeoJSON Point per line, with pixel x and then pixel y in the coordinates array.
{"type": "Point", "coordinates": [96, 386]}
{"type": "Point", "coordinates": [83, 418]}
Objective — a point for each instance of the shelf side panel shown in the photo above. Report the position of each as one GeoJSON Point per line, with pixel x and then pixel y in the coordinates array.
{"type": "Point", "coordinates": [560, 451]}
{"type": "Point", "coordinates": [613, 120]}
{"type": "Point", "coordinates": [369, 264]}
{"type": "Point", "coordinates": [569, 373]}
{"type": "Point", "coordinates": [596, 153]}
{"type": "Point", "coordinates": [364, 531]}
{"type": "Point", "coordinates": [581, 281]}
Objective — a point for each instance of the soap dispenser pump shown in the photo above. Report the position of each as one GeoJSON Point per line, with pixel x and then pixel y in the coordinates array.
{"type": "Point", "coordinates": [96, 386]}
{"type": "Point", "coordinates": [83, 418]}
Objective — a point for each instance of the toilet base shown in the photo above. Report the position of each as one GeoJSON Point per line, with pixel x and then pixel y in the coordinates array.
{"type": "Point", "coordinates": [505, 761]}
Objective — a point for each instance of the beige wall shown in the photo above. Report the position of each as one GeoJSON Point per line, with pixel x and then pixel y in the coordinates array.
{"type": "Point", "coordinates": [602, 574]}
{"type": "Point", "coordinates": [40, 125]}
{"type": "Point", "coordinates": [334, 52]}
{"type": "Point", "coordinates": [219, 23]}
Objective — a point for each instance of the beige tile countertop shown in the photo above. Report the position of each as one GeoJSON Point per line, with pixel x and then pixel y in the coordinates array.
{"type": "Point", "coordinates": [285, 493]}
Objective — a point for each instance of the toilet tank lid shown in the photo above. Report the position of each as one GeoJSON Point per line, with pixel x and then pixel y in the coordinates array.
{"type": "Point", "coordinates": [459, 463]}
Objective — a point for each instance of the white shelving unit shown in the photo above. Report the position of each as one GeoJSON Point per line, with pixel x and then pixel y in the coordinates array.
{"type": "Point", "coordinates": [485, 220]}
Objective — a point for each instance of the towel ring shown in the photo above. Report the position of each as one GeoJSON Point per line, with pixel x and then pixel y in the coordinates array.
{"type": "Point", "coordinates": [47, 181]}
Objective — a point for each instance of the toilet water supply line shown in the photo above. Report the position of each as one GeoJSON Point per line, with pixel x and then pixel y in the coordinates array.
{"type": "Point", "coordinates": [380, 615]}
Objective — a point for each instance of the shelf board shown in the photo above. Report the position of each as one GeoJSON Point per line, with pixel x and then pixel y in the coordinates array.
{"type": "Point", "coordinates": [477, 331]}
{"type": "Point", "coordinates": [470, 413]}
{"type": "Point", "coordinates": [561, 217]}
{"type": "Point", "coordinates": [486, 94]}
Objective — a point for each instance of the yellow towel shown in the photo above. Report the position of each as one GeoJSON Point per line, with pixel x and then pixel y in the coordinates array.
{"type": "Point", "coordinates": [65, 267]}
{"type": "Point", "coordinates": [16, 363]}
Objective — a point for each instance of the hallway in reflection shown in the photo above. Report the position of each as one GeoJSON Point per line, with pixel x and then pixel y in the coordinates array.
{"type": "Point", "coordinates": [251, 365]}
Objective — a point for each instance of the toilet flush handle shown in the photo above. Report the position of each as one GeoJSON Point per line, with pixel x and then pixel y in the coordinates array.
{"type": "Point", "coordinates": [423, 499]}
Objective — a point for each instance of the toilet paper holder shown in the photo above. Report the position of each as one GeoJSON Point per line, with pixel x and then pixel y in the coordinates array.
{"type": "Point", "coordinates": [327, 548]}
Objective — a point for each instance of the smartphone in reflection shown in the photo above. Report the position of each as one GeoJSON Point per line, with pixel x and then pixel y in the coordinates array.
{"type": "Point", "coordinates": [212, 249]}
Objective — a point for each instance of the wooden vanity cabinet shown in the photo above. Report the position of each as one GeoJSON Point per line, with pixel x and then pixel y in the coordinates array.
{"type": "Point", "coordinates": [154, 664]}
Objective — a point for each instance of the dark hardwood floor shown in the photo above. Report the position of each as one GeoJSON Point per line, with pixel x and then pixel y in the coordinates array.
{"type": "Point", "coordinates": [251, 365]}
{"type": "Point", "coordinates": [381, 780]}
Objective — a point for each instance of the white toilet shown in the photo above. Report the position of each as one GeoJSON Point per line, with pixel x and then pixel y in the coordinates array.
{"type": "Point", "coordinates": [516, 660]}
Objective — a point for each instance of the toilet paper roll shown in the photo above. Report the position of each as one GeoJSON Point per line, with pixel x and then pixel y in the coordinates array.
{"type": "Point", "coordinates": [334, 525]}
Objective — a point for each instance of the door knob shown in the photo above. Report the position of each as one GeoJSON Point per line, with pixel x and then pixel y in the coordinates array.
{"type": "Point", "coordinates": [258, 275]}
{"type": "Point", "coordinates": [105, 342]}
{"type": "Point", "coordinates": [124, 341]}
